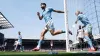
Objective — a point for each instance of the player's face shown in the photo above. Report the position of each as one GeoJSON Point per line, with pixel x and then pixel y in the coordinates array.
{"type": "Point", "coordinates": [77, 13]}
{"type": "Point", "coordinates": [43, 6]}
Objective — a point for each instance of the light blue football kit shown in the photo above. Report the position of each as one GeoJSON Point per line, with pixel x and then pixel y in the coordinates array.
{"type": "Point", "coordinates": [88, 27]}
{"type": "Point", "coordinates": [20, 40]}
{"type": "Point", "coordinates": [85, 22]}
{"type": "Point", "coordinates": [48, 19]}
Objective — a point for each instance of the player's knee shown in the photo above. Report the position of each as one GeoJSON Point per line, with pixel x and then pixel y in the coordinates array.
{"type": "Point", "coordinates": [86, 34]}
{"type": "Point", "coordinates": [53, 34]}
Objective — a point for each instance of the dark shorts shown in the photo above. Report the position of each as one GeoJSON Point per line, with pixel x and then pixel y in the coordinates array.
{"type": "Point", "coordinates": [81, 40]}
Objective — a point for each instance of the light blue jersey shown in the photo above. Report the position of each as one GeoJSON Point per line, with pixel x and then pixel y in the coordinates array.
{"type": "Point", "coordinates": [83, 19]}
{"type": "Point", "coordinates": [47, 14]}
{"type": "Point", "coordinates": [20, 39]}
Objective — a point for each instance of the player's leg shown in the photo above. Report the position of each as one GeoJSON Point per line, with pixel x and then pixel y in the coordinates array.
{"type": "Point", "coordinates": [56, 32]}
{"type": "Point", "coordinates": [92, 38]}
{"type": "Point", "coordinates": [16, 46]}
{"type": "Point", "coordinates": [21, 47]}
{"type": "Point", "coordinates": [88, 29]}
{"type": "Point", "coordinates": [52, 29]}
{"type": "Point", "coordinates": [53, 32]}
{"type": "Point", "coordinates": [41, 39]}
{"type": "Point", "coordinates": [90, 35]}
{"type": "Point", "coordinates": [89, 41]}
{"type": "Point", "coordinates": [81, 43]}
{"type": "Point", "coordinates": [90, 32]}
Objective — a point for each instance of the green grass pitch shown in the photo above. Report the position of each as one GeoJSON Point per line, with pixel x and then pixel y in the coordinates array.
{"type": "Point", "coordinates": [46, 54]}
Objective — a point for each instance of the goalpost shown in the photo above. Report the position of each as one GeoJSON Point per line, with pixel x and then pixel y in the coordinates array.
{"type": "Point", "coordinates": [66, 26]}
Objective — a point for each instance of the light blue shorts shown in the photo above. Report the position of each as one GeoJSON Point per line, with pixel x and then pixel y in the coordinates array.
{"type": "Point", "coordinates": [20, 42]}
{"type": "Point", "coordinates": [88, 28]}
{"type": "Point", "coordinates": [49, 25]}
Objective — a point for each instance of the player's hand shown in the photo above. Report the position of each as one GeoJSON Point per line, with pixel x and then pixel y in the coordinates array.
{"type": "Point", "coordinates": [75, 22]}
{"type": "Point", "coordinates": [83, 26]}
{"type": "Point", "coordinates": [38, 13]}
{"type": "Point", "coordinates": [70, 32]}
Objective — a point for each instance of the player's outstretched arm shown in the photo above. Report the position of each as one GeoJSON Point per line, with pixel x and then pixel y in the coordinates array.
{"type": "Point", "coordinates": [83, 26]}
{"type": "Point", "coordinates": [58, 11]}
{"type": "Point", "coordinates": [40, 17]}
{"type": "Point", "coordinates": [76, 21]}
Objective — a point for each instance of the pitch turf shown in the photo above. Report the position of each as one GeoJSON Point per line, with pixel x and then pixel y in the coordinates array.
{"type": "Point", "coordinates": [46, 54]}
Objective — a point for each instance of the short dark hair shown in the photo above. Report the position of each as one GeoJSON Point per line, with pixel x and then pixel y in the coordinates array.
{"type": "Point", "coordinates": [43, 4]}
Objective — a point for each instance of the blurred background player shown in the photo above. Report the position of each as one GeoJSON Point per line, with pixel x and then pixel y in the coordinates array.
{"type": "Point", "coordinates": [18, 43]}
{"type": "Point", "coordinates": [87, 26]}
{"type": "Point", "coordinates": [15, 45]}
